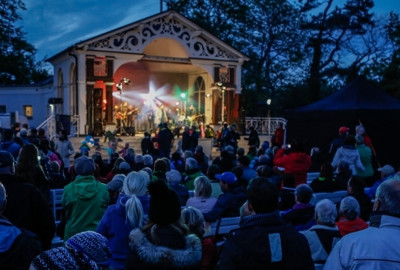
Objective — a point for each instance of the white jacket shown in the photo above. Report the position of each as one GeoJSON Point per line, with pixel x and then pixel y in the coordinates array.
{"type": "Point", "coordinates": [372, 248]}
{"type": "Point", "coordinates": [351, 156]}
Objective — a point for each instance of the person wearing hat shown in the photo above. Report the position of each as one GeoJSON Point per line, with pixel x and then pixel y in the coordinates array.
{"type": "Point", "coordinates": [17, 246]}
{"type": "Point", "coordinates": [387, 172]}
{"type": "Point", "coordinates": [338, 142]}
{"type": "Point", "coordinates": [85, 250]}
{"type": "Point", "coordinates": [124, 216]}
{"type": "Point", "coordinates": [228, 203]}
{"type": "Point", "coordinates": [348, 152]}
{"type": "Point", "coordinates": [84, 200]}
{"type": "Point", "coordinates": [164, 242]}
{"type": "Point", "coordinates": [26, 206]}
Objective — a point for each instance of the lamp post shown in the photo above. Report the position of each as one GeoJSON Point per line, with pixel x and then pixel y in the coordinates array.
{"type": "Point", "coordinates": [222, 88]}
{"type": "Point", "coordinates": [269, 116]}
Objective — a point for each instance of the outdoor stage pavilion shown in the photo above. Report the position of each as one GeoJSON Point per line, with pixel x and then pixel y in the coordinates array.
{"type": "Point", "coordinates": [164, 59]}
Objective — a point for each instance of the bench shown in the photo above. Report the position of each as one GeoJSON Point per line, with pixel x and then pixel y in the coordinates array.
{"type": "Point", "coordinates": [222, 226]}
{"type": "Point", "coordinates": [56, 207]}
{"type": "Point", "coordinates": [335, 196]}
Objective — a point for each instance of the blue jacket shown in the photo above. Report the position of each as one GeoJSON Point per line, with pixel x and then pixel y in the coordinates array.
{"type": "Point", "coordinates": [116, 228]}
{"type": "Point", "coordinates": [227, 205]}
{"type": "Point", "coordinates": [265, 241]}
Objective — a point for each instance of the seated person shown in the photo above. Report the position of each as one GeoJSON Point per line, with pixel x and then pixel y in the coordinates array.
{"type": "Point", "coordinates": [355, 189]}
{"type": "Point", "coordinates": [324, 182]}
{"type": "Point", "coordinates": [350, 220]}
{"type": "Point", "coordinates": [264, 240]}
{"type": "Point", "coordinates": [323, 236]}
{"type": "Point", "coordinates": [202, 199]}
{"type": "Point", "coordinates": [342, 175]}
{"type": "Point", "coordinates": [228, 203]}
{"type": "Point", "coordinates": [301, 215]}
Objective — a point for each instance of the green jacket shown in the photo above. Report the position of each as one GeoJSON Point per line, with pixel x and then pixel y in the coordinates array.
{"type": "Point", "coordinates": [190, 176]}
{"type": "Point", "coordinates": [84, 200]}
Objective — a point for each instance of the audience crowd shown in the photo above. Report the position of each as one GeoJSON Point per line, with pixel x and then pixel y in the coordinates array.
{"type": "Point", "coordinates": [149, 208]}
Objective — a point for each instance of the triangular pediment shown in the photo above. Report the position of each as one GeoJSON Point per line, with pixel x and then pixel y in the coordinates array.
{"type": "Point", "coordinates": [133, 38]}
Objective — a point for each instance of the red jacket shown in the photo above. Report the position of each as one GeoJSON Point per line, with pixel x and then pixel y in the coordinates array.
{"type": "Point", "coordinates": [296, 163]}
{"type": "Point", "coordinates": [348, 226]}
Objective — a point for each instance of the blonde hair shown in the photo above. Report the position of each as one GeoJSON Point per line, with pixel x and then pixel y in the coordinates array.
{"type": "Point", "coordinates": [136, 183]}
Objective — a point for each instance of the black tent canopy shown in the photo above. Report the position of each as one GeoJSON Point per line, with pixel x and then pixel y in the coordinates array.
{"type": "Point", "coordinates": [317, 124]}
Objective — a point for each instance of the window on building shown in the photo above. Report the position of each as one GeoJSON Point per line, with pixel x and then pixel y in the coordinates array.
{"type": "Point", "coordinates": [28, 111]}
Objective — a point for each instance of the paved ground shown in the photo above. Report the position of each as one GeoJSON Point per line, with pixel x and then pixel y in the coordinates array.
{"type": "Point", "coordinates": [134, 141]}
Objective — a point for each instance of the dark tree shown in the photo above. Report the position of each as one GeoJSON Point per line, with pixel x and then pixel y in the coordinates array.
{"type": "Point", "coordinates": [16, 54]}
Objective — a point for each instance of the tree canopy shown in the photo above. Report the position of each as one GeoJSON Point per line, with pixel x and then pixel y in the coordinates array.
{"type": "Point", "coordinates": [16, 54]}
{"type": "Point", "coordinates": [302, 50]}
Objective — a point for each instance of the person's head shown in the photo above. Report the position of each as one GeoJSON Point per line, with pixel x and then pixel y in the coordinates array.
{"type": "Point", "coordinates": [173, 177]}
{"type": "Point", "coordinates": [3, 198]}
{"type": "Point", "coordinates": [343, 130]}
{"type": "Point", "coordinates": [387, 199]}
{"type": "Point", "coordinates": [360, 130]}
{"type": "Point", "coordinates": [118, 162]}
{"type": "Point", "coordinates": [194, 219]}
{"type": "Point", "coordinates": [212, 170]}
{"type": "Point", "coordinates": [202, 187]}
{"type": "Point", "coordinates": [130, 151]}
{"type": "Point", "coordinates": [349, 208]}
{"type": "Point", "coordinates": [187, 154]}
{"type": "Point", "coordinates": [138, 158]}
{"type": "Point", "coordinates": [325, 212]}
{"type": "Point", "coordinates": [84, 166]}
{"type": "Point", "coordinates": [160, 166]}
{"type": "Point", "coordinates": [386, 170]}
{"type": "Point", "coordinates": [244, 161]}
{"type": "Point", "coordinates": [240, 151]}
{"type": "Point", "coordinates": [326, 170]}
{"type": "Point", "coordinates": [356, 184]}
{"type": "Point", "coordinates": [92, 244]}
{"type": "Point", "coordinates": [136, 183]}
{"type": "Point", "coordinates": [359, 139]}
{"type": "Point", "coordinates": [165, 208]}
{"type": "Point", "coordinates": [124, 167]}
{"type": "Point", "coordinates": [303, 193]}
{"type": "Point", "coordinates": [349, 140]}
{"type": "Point", "coordinates": [262, 195]}
{"type": "Point", "coordinates": [264, 171]}
{"type": "Point", "coordinates": [28, 157]}
{"type": "Point", "coordinates": [314, 151]}
{"type": "Point", "coordinates": [227, 181]}
{"type": "Point", "coordinates": [148, 160]}
{"type": "Point", "coordinates": [191, 164]}
{"type": "Point", "coordinates": [199, 149]}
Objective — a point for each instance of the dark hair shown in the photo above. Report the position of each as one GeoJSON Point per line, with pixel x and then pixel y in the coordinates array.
{"type": "Point", "coordinates": [356, 183]}
{"type": "Point", "coordinates": [349, 140]}
{"type": "Point", "coordinates": [303, 193]}
{"type": "Point", "coordinates": [244, 160]}
{"type": "Point", "coordinates": [326, 170]}
{"type": "Point", "coordinates": [212, 171]}
{"type": "Point", "coordinates": [264, 171]}
{"type": "Point", "coordinates": [263, 195]}
{"type": "Point", "coordinates": [297, 146]}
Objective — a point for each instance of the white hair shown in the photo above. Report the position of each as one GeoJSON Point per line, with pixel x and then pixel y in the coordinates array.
{"type": "Point", "coordinates": [326, 212]}
{"type": "Point", "coordinates": [350, 208]}
{"type": "Point", "coordinates": [136, 183]}
{"type": "Point", "coordinates": [148, 160]}
{"type": "Point", "coordinates": [191, 163]}
{"type": "Point", "coordinates": [388, 194]}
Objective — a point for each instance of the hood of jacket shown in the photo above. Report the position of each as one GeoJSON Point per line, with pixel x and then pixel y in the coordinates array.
{"type": "Point", "coordinates": [152, 254]}
{"type": "Point", "coordinates": [85, 187]}
{"type": "Point", "coordinates": [8, 235]}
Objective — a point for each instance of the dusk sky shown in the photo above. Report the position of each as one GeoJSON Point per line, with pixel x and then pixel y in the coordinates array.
{"type": "Point", "coordinates": [53, 25]}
